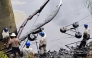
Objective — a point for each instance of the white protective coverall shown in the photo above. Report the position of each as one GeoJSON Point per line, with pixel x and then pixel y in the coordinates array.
{"type": "Point", "coordinates": [5, 34]}
{"type": "Point", "coordinates": [27, 51]}
{"type": "Point", "coordinates": [87, 30]}
{"type": "Point", "coordinates": [42, 44]}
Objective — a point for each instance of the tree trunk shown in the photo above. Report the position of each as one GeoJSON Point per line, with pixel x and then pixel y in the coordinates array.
{"type": "Point", "coordinates": [6, 16]}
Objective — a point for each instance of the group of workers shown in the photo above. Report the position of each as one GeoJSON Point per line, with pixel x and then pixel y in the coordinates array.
{"type": "Point", "coordinates": [12, 41]}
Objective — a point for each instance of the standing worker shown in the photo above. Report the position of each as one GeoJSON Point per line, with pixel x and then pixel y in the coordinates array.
{"type": "Point", "coordinates": [86, 36]}
{"type": "Point", "coordinates": [27, 51]}
{"type": "Point", "coordinates": [42, 43]}
{"type": "Point", "coordinates": [14, 42]}
{"type": "Point", "coordinates": [87, 30]}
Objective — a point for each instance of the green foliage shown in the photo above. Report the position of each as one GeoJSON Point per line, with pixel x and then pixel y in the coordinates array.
{"type": "Point", "coordinates": [2, 55]}
{"type": "Point", "coordinates": [31, 55]}
{"type": "Point", "coordinates": [89, 5]}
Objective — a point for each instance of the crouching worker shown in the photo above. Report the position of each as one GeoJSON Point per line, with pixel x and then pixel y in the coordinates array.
{"type": "Point", "coordinates": [14, 42]}
{"type": "Point", "coordinates": [5, 34]}
{"type": "Point", "coordinates": [27, 51]}
{"type": "Point", "coordinates": [42, 43]}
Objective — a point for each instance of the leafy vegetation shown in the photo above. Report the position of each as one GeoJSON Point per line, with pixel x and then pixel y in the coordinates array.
{"type": "Point", "coordinates": [89, 5]}
{"type": "Point", "coordinates": [2, 55]}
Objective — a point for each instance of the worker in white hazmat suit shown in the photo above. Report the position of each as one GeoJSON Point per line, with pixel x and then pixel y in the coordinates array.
{"type": "Point", "coordinates": [86, 36]}
{"type": "Point", "coordinates": [28, 51]}
{"type": "Point", "coordinates": [42, 43]}
{"type": "Point", "coordinates": [87, 30]}
{"type": "Point", "coordinates": [5, 33]}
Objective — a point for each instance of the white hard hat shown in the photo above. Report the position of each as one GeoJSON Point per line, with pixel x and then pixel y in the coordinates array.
{"type": "Point", "coordinates": [13, 34]}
